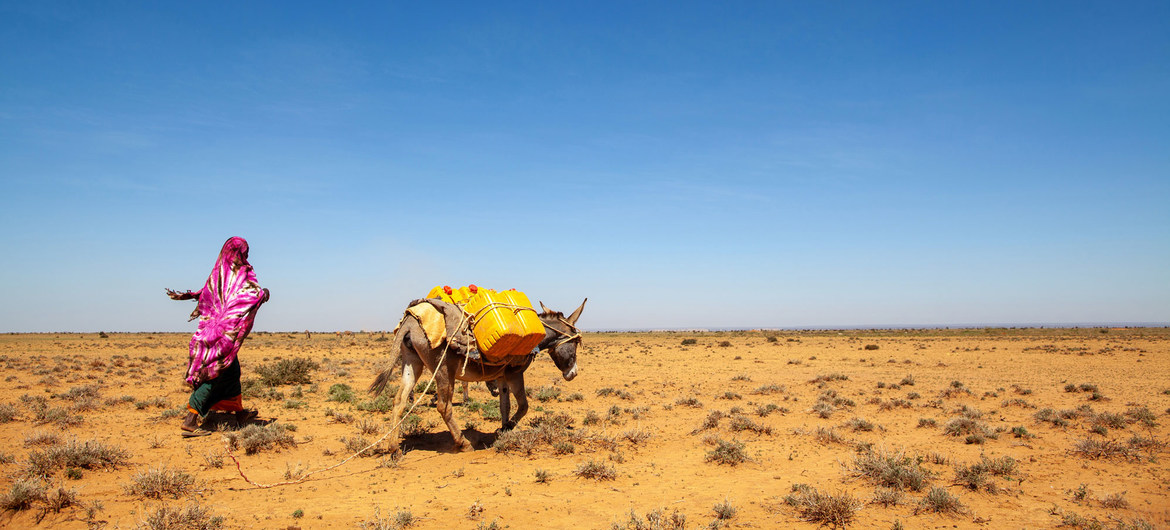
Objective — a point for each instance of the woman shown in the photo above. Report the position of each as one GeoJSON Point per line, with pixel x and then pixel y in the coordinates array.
{"type": "Point", "coordinates": [226, 308]}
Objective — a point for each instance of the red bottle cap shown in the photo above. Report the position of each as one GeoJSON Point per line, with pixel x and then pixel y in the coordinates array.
{"type": "Point", "coordinates": [447, 289]}
{"type": "Point", "coordinates": [473, 288]}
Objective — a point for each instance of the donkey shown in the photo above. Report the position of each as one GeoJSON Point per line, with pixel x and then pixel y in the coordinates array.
{"type": "Point", "coordinates": [411, 346]}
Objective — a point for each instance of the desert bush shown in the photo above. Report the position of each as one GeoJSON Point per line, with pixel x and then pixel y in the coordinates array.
{"type": "Point", "coordinates": [826, 509]}
{"type": "Point", "coordinates": [400, 520]}
{"type": "Point", "coordinates": [255, 438]}
{"type": "Point", "coordinates": [764, 410]}
{"type": "Point", "coordinates": [1047, 415]}
{"type": "Point", "coordinates": [296, 371]}
{"type": "Point", "coordinates": [368, 426]}
{"type": "Point", "coordinates": [90, 454]}
{"type": "Point", "coordinates": [887, 497]}
{"type": "Point", "coordinates": [546, 393]}
{"type": "Point", "coordinates": [892, 469]}
{"type": "Point", "coordinates": [381, 403]}
{"type": "Point", "coordinates": [250, 388]}
{"type": "Point", "coordinates": [58, 416]}
{"type": "Point", "coordinates": [860, 424]}
{"type": "Point", "coordinates": [8, 412]}
{"type": "Point", "coordinates": [727, 453]}
{"type": "Point", "coordinates": [595, 470]}
{"type": "Point", "coordinates": [1108, 419]}
{"type": "Point", "coordinates": [1114, 501]}
{"type": "Point", "coordinates": [353, 444]}
{"type": "Point", "coordinates": [871, 347]}
{"type": "Point", "coordinates": [1020, 431]}
{"type": "Point", "coordinates": [161, 481]}
{"type": "Point", "coordinates": [939, 500]}
{"type": "Point", "coordinates": [1141, 415]}
{"type": "Point", "coordinates": [655, 520]}
{"type": "Point", "coordinates": [341, 393]}
{"type": "Point", "coordinates": [79, 393]}
{"type": "Point", "coordinates": [974, 430]}
{"type": "Point", "coordinates": [1094, 449]}
{"type": "Point", "coordinates": [823, 409]}
{"type": "Point", "coordinates": [769, 389]}
{"type": "Point", "coordinates": [828, 378]}
{"type": "Point", "coordinates": [189, 517]}
{"type": "Point", "coordinates": [829, 435]}
{"type": "Point", "coordinates": [739, 422]}
{"type": "Point", "coordinates": [689, 402]}
{"type": "Point", "coordinates": [725, 510]}
{"type": "Point", "coordinates": [41, 438]}
{"type": "Point", "coordinates": [689, 342]}
{"type": "Point", "coordinates": [552, 430]}
{"type": "Point", "coordinates": [59, 499]}
{"type": "Point", "coordinates": [1017, 402]}
{"type": "Point", "coordinates": [23, 493]}
{"type": "Point", "coordinates": [927, 422]}
{"type": "Point", "coordinates": [711, 421]}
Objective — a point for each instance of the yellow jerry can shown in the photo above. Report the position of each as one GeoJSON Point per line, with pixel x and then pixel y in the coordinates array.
{"type": "Point", "coordinates": [498, 326]}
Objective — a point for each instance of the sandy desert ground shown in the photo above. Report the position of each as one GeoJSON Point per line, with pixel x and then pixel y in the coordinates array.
{"type": "Point", "coordinates": [971, 428]}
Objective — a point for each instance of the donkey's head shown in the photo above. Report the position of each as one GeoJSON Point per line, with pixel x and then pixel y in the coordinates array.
{"type": "Point", "coordinates": [561, 339]}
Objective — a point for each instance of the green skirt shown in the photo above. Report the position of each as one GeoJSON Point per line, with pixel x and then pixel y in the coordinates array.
{"type": "Point", "coordinates": [222, 388]}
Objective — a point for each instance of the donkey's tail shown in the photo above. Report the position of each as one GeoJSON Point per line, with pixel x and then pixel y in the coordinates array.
{"type": "Point", "coordinates": [385, 377]}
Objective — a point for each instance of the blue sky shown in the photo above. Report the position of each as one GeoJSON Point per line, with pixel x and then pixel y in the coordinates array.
{"type": "Point", "coordinates": [681, 164]}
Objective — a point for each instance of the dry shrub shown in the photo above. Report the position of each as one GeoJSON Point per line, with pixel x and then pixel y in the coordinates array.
{"type": "Point", "coordinates": [160, 482]}
{"type": "Point", "coordinates": [711, 421]}
{"type": "Point", "coordinates": [23, 494]}
{"type": "Point", "coordinates": [739, 422]}
{"type": "Point", "coordinates": [860, 424]}
{"type": "Point", "coordinates": [728, 453]}
{"type": "Point", "coordinates": [828, 378]}
{"type": "Point", "coordinates": [892, 469]}
{"type": "Point", "coordinates": [7, 412]}
{"type": "Point", "coordinates": [1095, 449]}
{"type": "Point", "coordinates": [41, 438]}
{"type": "Point", "coordinates": [974, 430]}
{"type": "Point", "coordinates": [288, 372]}
{"type": "Point", "coordinates": [255, 438]}
{"type": "Point", "coordinates": [887, 497]}
{"type": "Point", "coordinates": [769, 389]}
{"type": "Point", "coordinates": [595, 470]}
{"type": "Point", "coordinates": [829, 435]}
{"type": "Point", "coordinates": [939, 500]}
{"type": "Point", "coordinates": [827, 509]}
{"type": "Point", "coordinates": [189, 517]}
{"type": "Point", "coordinates": [655, 520]}
{"type": "Point", "coordinates": [90, 454]}
{"type": "Point", "coordinates": [1115, 501]}
{"type": "Point", "coordinates": [725, 510]}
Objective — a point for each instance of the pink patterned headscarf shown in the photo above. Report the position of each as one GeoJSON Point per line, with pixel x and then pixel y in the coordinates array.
{"type": "Point", "coordinates": [226, 310]}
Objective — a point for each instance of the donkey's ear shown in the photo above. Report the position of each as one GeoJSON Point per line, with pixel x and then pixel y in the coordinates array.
{"type": "Point", "coordinates": [577, 314]}
{"type": "Point", "coordinates": [544, 308]}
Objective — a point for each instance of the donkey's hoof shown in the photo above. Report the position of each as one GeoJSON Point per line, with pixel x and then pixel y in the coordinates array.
{"type": "Point", "coordinates": [463, 446]}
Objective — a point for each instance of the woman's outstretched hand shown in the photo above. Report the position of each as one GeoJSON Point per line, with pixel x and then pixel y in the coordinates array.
{"type": "Point", "coordinates": [175, 295]}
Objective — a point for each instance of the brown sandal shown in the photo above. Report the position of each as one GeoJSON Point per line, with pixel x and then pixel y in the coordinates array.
{"type": "Point", "coordinates": [195, 433]}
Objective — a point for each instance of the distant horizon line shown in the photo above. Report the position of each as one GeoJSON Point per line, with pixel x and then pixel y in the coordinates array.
{"type": "Point", "coordinates": [1026, 325]}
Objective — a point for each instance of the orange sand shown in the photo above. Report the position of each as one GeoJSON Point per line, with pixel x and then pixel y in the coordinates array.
{"type": "Point", "coordinates": [649, 377]}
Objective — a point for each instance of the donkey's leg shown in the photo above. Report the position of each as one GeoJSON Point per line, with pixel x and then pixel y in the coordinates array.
{"type": "Point", "coordinates": [411, 367]}
{"type": "Point", "coordinates": [505, 404]}
{"type": "Point", "coordinates": [445, 391]}
{"type": "Point", "coordinates": [515, 384]}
